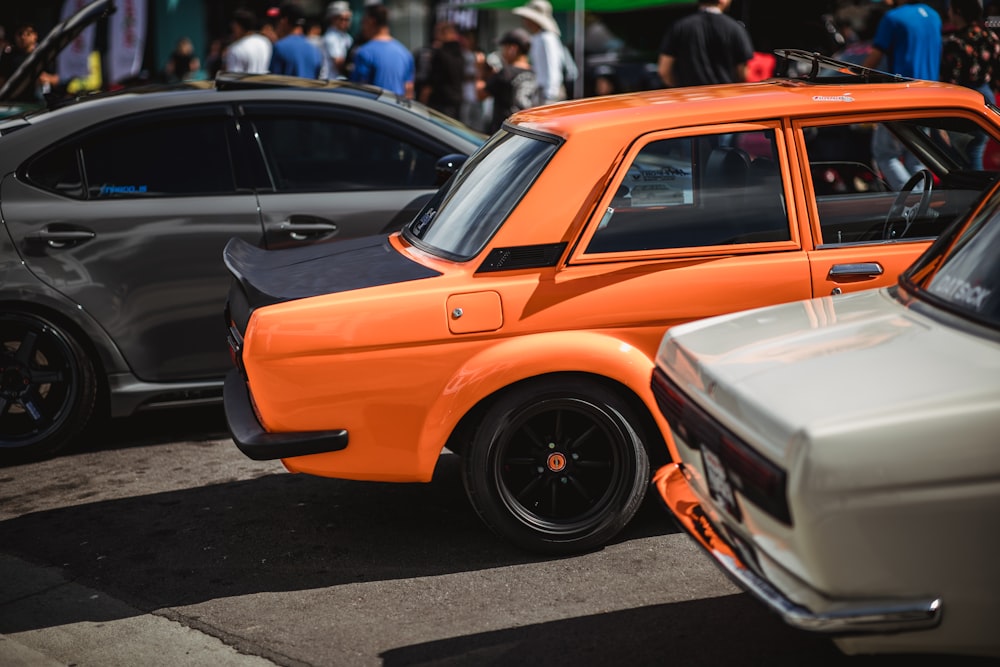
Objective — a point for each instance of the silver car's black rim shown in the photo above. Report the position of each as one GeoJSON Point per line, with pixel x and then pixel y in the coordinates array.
{"type": "Point", "coordinates": [38, 380]}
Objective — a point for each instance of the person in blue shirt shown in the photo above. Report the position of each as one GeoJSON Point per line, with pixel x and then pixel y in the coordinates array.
{"type": "Point", "coordinates": [293, 54]}
{"type": "Point", "coordinates": [382, 60]}
{"type": "Point", "coordinates": [909, 38]}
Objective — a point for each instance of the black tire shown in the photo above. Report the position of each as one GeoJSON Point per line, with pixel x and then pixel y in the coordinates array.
{"type": "Point", "coordinates": [557, 466]}
{"type": "Point", "coordinates": [47, 388]}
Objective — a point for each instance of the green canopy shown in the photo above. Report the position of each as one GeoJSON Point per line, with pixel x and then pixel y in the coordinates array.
{"type": "Point", "coordinates": [573, 5]}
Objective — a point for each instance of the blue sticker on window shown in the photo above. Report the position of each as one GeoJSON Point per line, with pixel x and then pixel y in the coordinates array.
{"type": "Point", "coordinates": [122, 189]}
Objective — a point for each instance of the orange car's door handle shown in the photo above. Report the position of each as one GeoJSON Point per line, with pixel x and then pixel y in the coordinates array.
{"type": "Point", "coordinates": [856, 270]}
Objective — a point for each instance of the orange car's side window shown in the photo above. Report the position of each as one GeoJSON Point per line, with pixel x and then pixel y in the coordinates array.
{"type": "Point", "coordinates": [869, 181]}
{"type": "Point", "coordinates": [697, 191]}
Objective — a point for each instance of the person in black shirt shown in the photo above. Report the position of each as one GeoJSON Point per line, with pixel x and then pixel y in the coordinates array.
{"type": "Point", "coordinates": [25, 41]}
{"type": "Point", "coordinates": [514, 86]}
{"type": "Point", "coordinates": [705, 47]}
{"type": "Point", "coordinates": [443, 89]}
{"type": "Point", "coordinates": [183, 64]}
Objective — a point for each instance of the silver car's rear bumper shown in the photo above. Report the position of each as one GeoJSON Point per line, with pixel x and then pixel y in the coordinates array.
{"type": "Point", "coordinates": [833, 616]}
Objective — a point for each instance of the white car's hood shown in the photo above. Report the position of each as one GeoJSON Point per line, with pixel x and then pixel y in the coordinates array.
{"type": "Point", "coordinates": [839, 372]}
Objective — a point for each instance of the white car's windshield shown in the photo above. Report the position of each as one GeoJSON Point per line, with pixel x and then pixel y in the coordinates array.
{"type": "Point", "coordinates": [962, 270]}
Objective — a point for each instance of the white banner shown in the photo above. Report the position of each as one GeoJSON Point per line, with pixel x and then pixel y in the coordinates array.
{"type": "Point", "coordinates": [126, 39]}
{"type": "Point", "coordinates": [73, 61]}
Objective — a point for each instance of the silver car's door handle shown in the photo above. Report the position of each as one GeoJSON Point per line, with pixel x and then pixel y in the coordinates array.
{"type": "Point", "coordinates": [856, 270]}
{"type": "Point", "coordinates": [60, 238]}
{"type": "Point", "coordinates": [300, 230]}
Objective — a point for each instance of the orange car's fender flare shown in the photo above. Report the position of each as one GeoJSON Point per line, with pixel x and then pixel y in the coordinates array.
{"type": "Point", "coordinates": [523, 357]}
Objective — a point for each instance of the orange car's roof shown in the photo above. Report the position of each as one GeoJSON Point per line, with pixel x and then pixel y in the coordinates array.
{"type": "Point", "coordinates": [679, 107]}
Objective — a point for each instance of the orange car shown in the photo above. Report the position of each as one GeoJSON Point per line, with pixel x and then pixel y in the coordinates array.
{"type": "Point", "coordinates": [515, 320]}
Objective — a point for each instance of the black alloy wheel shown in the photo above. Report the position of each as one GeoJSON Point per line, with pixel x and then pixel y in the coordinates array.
{"type": "Point", "coordinates": [557, 466]}
{"type": "Point", "coordinates": [47, 388]}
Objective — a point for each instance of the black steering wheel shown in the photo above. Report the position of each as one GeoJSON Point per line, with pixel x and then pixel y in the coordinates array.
{"type": "Point", "coordinates": [899, 212]}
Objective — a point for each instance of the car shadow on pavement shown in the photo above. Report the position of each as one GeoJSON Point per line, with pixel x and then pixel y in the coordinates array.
{"type": "Point", "coordinates": [207, 422]}
{"type": "Point", "coordinates": [726, 630]}
{"type": "Point", "coordinates": [699, 632]}
{"type": "Point", "coordinates": [278, 532]}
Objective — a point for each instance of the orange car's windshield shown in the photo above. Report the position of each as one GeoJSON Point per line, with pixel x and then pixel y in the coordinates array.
{"type": "Point", "coordinates": [468, 210]}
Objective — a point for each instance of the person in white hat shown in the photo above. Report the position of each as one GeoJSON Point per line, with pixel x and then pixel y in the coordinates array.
{"type": "Point", "coordinates": [547, 51]}
{"type": "Point", "coordinates": [337, 40]}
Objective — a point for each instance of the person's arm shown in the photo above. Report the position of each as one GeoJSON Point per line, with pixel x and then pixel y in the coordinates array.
{"type": "Point", "coordinates": [484, 88]}
{"type": "Point", "coordinates": [48, 79]}
{"type": "Point", "coordinates": [276, 66]}
{"type": "Point", "coordinates": [547, 65]}
{"type": "Point", "coordinates": [361, 71]}
{"type": "Point", "coordinates": [665, 66]}
{"type": "Point", "coordinates": [409, 88]}
{"type": "Point", "coordinates": [433, 76]}
{"type": "Point", "coordinates": [336, 49]}
{"type": "Point", "coordinates": [744, 55]}
{"type": "Point", "coordinates": [873, 58]}
{"type": "Point", "coordinates": [228, 60]}
{"type": "Point", "coordinates": [951, 62]}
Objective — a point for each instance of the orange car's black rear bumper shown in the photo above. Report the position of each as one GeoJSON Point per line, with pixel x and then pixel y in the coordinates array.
{"type": "Point", "coordinates": [260, 445]}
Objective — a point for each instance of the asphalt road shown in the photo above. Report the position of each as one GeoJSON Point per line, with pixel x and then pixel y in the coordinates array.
{"type": "Point", "coordinates": [161, 544]}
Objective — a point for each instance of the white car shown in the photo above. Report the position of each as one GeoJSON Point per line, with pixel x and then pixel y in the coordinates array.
{"type": "Point", "coordinates": [840, 457]}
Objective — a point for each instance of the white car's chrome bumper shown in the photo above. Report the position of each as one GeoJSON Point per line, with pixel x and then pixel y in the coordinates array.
{"type": "Point", "coordinates": [835, 616]}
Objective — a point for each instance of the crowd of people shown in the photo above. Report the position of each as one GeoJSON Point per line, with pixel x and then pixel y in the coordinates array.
{"type": "Point", "coordinates": [531, 65]}
{"type": "Point", "coordinates": [910, 38]}
{"type": "Point", "coordinates": [451, 74]}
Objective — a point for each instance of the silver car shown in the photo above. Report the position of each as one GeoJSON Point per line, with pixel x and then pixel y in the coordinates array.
{"type": "Point", "coordinates": [116, 208]}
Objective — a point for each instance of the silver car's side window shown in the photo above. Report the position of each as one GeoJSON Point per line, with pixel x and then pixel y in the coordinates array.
{"type": "Point", "coordinates": [319, 154]}
{"type": "Point", "coordinates": [140, 160]}
{"type": "Point", "coordinates": [699, 191]}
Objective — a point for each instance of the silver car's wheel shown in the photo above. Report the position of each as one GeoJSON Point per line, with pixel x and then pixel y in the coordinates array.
{"type": "Point", "coordinates": [47, 388]}
{"type": "Point", "coordinates": [557, 466]}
